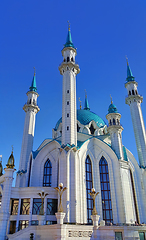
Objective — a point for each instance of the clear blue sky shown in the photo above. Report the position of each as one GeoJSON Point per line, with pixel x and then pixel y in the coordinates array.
{"type": "Point", "coordinates": [32, 33]}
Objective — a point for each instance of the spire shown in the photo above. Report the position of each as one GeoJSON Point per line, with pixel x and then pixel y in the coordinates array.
{"type": "Point", "coordinates": [129, 73]}
{"type": "Point", "coordinates": [69, 42]}
{"type": "Point", "coordinates": [10, 163]}
{"type": "Point", "coordinates": [112, 108]}
{"type": "Point", "coordinates": [86, 105]}
{"type": "Point", "coordinates": [33, 84]}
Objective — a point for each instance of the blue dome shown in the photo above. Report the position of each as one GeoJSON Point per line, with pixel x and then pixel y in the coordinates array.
{"type": "Point", "coordinates": [85, 117]}
{"type": "Point", "coordinates": [112, 108]}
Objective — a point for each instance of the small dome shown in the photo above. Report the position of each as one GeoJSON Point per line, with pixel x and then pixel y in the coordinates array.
{"type": "Point", "coordinates": [10, 163]}
{"type": "Point", "coordinates": [112, 108]}
{"type": "Point", "coordinates": [85, 116]}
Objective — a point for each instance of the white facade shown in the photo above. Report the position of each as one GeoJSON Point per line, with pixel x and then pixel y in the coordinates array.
{"type": "Point", "coordinates": [89, 154]}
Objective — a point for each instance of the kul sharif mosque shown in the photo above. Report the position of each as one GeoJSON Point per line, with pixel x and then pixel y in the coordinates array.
{"type": "Point", "coordinates": [83, 183]}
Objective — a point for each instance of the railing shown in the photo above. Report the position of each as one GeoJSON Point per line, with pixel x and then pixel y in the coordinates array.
{"type": "Point", "coordinates": [139, 95]}
{"type": "Point", "coordinates": [69, 62]}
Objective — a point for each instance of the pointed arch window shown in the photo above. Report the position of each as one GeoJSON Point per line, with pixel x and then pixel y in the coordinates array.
{"type": "Point", "coordinates": [134, 197]}
{"type": "Point", "coordinates": [89, 185]}
{"type": "Point", "coordinates": [105, 191]}
{"type": "Point", "coordinates": [47, 181]}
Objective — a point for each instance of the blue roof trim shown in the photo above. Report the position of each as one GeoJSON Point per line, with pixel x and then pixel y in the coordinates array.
{"type": "Point", "coordinates": [85, 116]}
{"type": "Point", "coordinates": [125, 154]}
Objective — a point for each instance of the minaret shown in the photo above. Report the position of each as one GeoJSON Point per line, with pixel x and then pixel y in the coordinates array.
{"type": "Point", "coordinates": [69, 69]}
{"type": "Point", "coordinates": [31, 109]}
{"type": "Point", "coordinates": [134, 100]}
{"type": "Point", "coordinates": [6, 195]}
{"type": "Point", "coordinates": [115, 129]}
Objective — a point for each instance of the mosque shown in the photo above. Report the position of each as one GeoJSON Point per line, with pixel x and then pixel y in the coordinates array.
{"type": "Point", "coordinates": [84, 155]}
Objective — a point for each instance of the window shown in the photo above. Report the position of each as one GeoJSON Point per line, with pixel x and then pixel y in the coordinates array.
{"type": "Point", "coordinates": [23, 224]}
{"type": "Point", "coordinates": [67, 114]}
{"type": "Point", "coordinates": [12, 227]}
{"type": "Point", "coordinates": [141, 236]}
{"type": "Point", "coordinates": [114, 122]}
{"type": "Point", "coordinates": [92, 130]}
{"type": "Point", "coordinates": [110, 122]}
{"type": "Point", "coordinates": [67, 91]}
{"type": "Point", "coordinates": [14, 206]}
{"type": "Point", "coordinates": [105, 191]}
{"type": "Point", "coordinates": [133, 93]}
{"type": "Point", "coordinates": [67, 102]}
{"type": "Point", "coordinates": [78, 128]}
{"type": "Point", "coordinates": [118, 235]}
{"type": "Point", "coordinates": [67, 59]}
{"type": "Point", "coordinates": [136, 92]}
{"type": "Point", "coordinates": [51, 222]}
{"type": "Point", "coordinates": [64, 60]}
{"type": "Point", "coordinates": [88, 172]}
{"type": "Point", "coordinates": [67, 128]}
{"type": "Point", "coordinates": [72, 59]}
{"type": "Point", "coordinates": [47, 174]}
{"type": "Point", "coordinates": [25, 206]}
{"type": "Point", "coordinates": [37, 203]}
{"type": "Point", "coordinates": [129, 93]}
{"type": "Point", "coordinates": [34, 222]}
{"type": "Point", "coordinates": [52, 206]}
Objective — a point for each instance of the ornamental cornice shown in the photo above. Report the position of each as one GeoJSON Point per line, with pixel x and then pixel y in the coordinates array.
{"type": "Point", "coordinates": [70, 65]}
{"type": "Point", "coordinates": [69, 48]}
{"type": "Point", "coordinates": [132, 98]}
{"type": "Point", "coordinates": [30, 107]}
{"type": "Point", "coordinates": [113, 128]}
{"type": "Point", "coordinates": [133, 82]}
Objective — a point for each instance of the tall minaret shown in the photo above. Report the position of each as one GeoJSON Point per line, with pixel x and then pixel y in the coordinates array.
{"type": "Point", "coordinates": [134, 100]}
{"type": "Point", "coordinates": [69, 69]}
{"type": "Point", "coordinates": [31, 109]}
{"type": "Point", "coordinates": [115, 129]}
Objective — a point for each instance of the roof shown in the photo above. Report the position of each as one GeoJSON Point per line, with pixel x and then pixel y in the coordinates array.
{"type": "Point", "coordinates": [112, 108]}
{"type": "Point", "coordinates": [33, 85]}
{"type": "Point", "coordinates": [85, 116]}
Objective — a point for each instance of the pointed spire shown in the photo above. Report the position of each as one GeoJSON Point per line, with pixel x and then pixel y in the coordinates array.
{"type": "Point", "coordinates": [129, 73]}
{"type": "Point", "coordinates": [86, 105]}
{"type": "Point", "coordinates": [10, 163]}
{"type": "Point", "coordinates": [33, 84]}
{"type": "Point", "coordinates": [69, 42]}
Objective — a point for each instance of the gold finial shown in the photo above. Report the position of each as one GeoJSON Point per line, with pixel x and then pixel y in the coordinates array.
{"type": "Point", "coordinates": [68, 25]}
{"type": "Point", "coordinates": [127, 60]}
{"type": "Point", "coordinates": [34, 71]}
{"type": "Point", "coordinates": [111, 99]}
{"type": "Point", "coordinates": [80, 103]}
{"type": "Point", "coordinates": [12, 148]}
{"type": "Point", "coordinates": [85, 93]}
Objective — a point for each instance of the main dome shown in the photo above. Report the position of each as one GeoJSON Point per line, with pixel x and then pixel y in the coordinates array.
{"type": "Point", "coordinates": [85, 116]}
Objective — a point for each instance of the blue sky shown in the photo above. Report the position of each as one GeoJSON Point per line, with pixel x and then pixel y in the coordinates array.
{"type": "Point", "coordinates": [33, 34]}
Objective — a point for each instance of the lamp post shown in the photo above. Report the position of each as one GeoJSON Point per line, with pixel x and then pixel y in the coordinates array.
{"type": "Point", "coordinates": [93, 194]}
{"type": "Point", "coordinates": [41, 216]}
{"type": "Point", "coordinates": [60, 215]}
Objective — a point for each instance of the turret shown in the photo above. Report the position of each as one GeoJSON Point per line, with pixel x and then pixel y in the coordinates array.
{"type": "Point", "coordinates": [69, 69]}
{"type": "Point", "coordinates": [6, 195]}
{"type": "Point", "coordinates": [30, 109]}
{"type": "Point", "coordinates": [115, 129]}
{"type": "Point", "coordinates": [134, 100]}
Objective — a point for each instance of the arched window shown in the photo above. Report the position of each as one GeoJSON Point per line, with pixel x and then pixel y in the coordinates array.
{"type": "Point", "coordinates": [129, 93]}
{"type": "Point", "coordinates": [105, 191]}
{"type": "Point", "coordinates": [47, 181]}
{"type": "Point", "coordinates": [88, 170]}
{"type": "Point", "coordinates": [114, 122]}
{"type": "Point", "coordinates": [133, 93]}
{"type": "Point", "coordinates": [67, 59]}
{"type": "Point", "coordinates": [110, 122]}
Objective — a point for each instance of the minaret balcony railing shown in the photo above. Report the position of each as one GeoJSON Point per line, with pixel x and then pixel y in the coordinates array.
{"type": "Point", "coordinates": [112, 124]}
{"type": "Point", "coordinates": [133, 95]}
{"type": "Point", "coordinates": [74, 62]}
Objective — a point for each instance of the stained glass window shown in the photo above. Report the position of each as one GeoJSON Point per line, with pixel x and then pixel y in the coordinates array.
{"type": "Point", "coordinates": [25, 206]}
{"type": "Point", "coordinates": [88, 170]}
{"type": "Point", "coordinates": [51, 206]}
{"type": "Point", "coordinates": [105, 191]}
{"type": "Point", "coordinates": [47, 174]}
{"type": "Point", "coordinates": [23, 224]}
{"type": "Point", "coordinates": [14, 206]}
{"type": "Point", "coordinates": [37, 203]}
